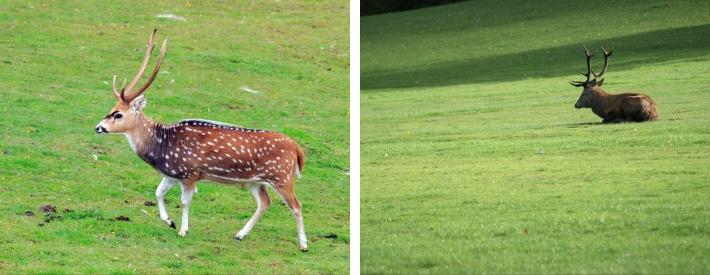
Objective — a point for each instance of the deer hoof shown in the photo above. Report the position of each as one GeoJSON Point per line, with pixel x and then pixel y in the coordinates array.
{"type": "Point", "coordinates": [304, 248]}
{"type": "Point", "coordinates": [170, 223]}
{"type": "Point", "coordinates": [239, 237]}
{"type": "Point", "coordinates": [182, 233]}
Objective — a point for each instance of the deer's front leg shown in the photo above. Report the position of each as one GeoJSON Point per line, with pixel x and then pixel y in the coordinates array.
{"type": "Point", "coordinates": [163, 189]}
{"type": "Point", "coordinates": [188, 189]}
{"type": "Point", "coordinates": [612, 120]}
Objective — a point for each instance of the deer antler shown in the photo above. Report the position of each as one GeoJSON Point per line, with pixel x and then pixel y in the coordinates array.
{"type": "Point", "coordinates": [115, 91]}
{"type": "Point", "coordinates": [155, 71]}
{"type": "Point", "coordinates": [129, 89]}
{"type": "Point", "coordinates": [607, 54]}
{"type": "Point", "coordinates": [589, 70]}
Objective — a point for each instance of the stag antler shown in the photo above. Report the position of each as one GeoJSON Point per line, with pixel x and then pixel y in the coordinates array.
{"type": "Point", "coordinates": [128, 89]}
{"type": "Point", "coordinates": [607, 54]}
{"type": "Point", "coordinates": [589, 70]}
{"type": "Point", "coordinates": [123, 87]}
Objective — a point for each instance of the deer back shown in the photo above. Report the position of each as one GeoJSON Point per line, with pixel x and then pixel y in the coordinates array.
{"type": "Point", "coordinates": [199, 149]}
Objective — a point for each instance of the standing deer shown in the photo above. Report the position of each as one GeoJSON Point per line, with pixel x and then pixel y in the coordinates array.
{"type": "Point", "coordinates": [612, 108]}
{"type": "Point", "coordinates": [193, 150]}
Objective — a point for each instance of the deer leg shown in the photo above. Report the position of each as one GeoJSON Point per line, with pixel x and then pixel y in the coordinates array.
{"type": "Point", "coordinates": [262, 203]}
{"type": "Point", "coordinates": [613, 120]}
{"type": "Point", "coordinates": [188, 189]}
{"type": "Point", "coordinates": [289, 196]}
{"type": "Point", "coordinates": [163, 189]}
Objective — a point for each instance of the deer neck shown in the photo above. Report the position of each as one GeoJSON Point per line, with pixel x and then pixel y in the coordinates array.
{"type": "Point", "coordinates": [600, 101]}
{"type": "Point", "coordinates": [142, 136]}
{"type": "Point", "coordinates": [151, 140]}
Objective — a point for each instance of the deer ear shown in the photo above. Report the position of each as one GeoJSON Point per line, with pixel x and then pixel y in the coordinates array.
{"type": "Point", "coordinates": [139, 103]}
{"type": "Point", "coordinates": [600, 82]}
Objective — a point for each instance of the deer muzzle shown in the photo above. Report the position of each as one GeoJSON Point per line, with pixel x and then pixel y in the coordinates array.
{"type": "Point", "coordinates": [100, 129]}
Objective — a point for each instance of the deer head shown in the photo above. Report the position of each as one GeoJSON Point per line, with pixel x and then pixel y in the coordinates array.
{"type": "Point", "coordinates": [590, 85]}
{"type": "Point", "coordinates": [128, 111]}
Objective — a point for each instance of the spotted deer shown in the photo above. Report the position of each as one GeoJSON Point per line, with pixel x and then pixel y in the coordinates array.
{"type": "Point", "coordinates": [612, 107]}
{"type": "Point", "coordinates": [194, 150]}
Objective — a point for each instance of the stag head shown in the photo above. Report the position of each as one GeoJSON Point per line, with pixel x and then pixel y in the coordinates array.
{"type": "Point", "coordinates": [130, 102]}
{"type": "Point", "coordinates": [589, 85]}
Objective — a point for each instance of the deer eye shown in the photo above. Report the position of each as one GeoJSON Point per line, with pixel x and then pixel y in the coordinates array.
{"type": "Point", "coordinates": [117, 116]}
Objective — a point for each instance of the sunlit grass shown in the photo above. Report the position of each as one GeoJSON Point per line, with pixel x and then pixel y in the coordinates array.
{"type": "Point", "coordinates": [475, 161]}
{"type": "Point", "coordinates": [55, 70]}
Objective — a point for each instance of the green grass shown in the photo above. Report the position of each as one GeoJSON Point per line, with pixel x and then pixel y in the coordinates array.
{"type": "Point", "coordinates": [56, 65]}
{"type": "Point", "coordinates": [475, 161]}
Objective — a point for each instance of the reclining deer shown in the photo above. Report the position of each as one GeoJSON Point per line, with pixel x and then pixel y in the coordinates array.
{"type": "Point", "coordinates": [193, 150]}
{"type": "Point", "coordinates": [612, 107]}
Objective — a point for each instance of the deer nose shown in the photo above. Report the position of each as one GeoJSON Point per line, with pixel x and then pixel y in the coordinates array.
{"type": "Point", "coordinates": [100, 129]}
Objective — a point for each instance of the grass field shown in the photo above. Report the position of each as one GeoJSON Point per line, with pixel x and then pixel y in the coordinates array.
{"type": "Point", "coordinates": [56, 64]}
{"type": "Point", "coordinates": [474, 159]}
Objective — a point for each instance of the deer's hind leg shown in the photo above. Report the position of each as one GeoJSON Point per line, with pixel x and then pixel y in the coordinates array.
{"type": "Point", "coordinates": [287, 192]}
{"type": "Point", "coordinates": [188, 189]}
{"type": "Point", "coordinates": [261, 196]}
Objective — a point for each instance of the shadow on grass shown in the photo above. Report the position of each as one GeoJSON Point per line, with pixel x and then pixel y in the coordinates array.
{"type": "Point", "coordinates": [590, 124]}
{"type": "Point", "coordinates": [630, 52]}
{"type": "Point", "coordinates": [582, 125]}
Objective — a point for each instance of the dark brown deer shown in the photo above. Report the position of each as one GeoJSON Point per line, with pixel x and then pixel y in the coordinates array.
{"type": "Point", "coordinates": [612, 107]}
{"type": "Point", "coordinates": [193, 150]}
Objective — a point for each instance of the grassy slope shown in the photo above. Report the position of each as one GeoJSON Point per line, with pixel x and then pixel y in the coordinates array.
{"type": "Point", "coordinates": [474, 159]}
{"type": "Point", "coordinates": [55, 68]}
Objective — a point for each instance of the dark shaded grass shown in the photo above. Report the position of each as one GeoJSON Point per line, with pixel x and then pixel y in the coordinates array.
{"type": "Point", "coordinates": [632, 51]}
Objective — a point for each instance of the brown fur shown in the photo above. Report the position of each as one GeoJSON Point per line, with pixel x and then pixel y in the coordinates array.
{"type": "Point", "coordinates": [612, 107]}
{"type": "Point", "coordinates": [623, 107]}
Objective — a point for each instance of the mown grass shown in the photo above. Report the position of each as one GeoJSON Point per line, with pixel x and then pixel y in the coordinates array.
{"type": "Point", "coordinates": [475, 161]}
{"type": "Point", "coordinates": [56, 64]}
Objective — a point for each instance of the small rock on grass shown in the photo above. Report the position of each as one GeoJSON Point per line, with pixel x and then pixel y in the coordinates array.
{"type": "Point", "coordinates": [48, 208]}
{"type": "Point", "coordinates": [29, 213]}
{"type": "Point", "coordinates": [123, 218]}
{"type": "Point", "coordinates": [149, 203]}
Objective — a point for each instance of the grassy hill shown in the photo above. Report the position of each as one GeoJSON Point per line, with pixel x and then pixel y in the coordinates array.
{"type": "Point", "coordinates": [474, 159]}
{"type": "Point", "coordinates": [56, 64]}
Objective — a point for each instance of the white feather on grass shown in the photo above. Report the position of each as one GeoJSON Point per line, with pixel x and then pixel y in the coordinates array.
{"type": "Point", "coordinates": [171, 17]}
{"type": "Point", "coordinates": [249, 90]}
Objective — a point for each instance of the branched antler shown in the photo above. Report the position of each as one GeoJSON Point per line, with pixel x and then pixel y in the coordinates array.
{"type": "Point", "coordinates": [589, 70]}
{"type": "Point", "coordinates": [607, 54]}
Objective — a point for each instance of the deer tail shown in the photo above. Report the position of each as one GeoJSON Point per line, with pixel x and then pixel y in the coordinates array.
{"type": "Point", "coordinates": [301, 158]}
